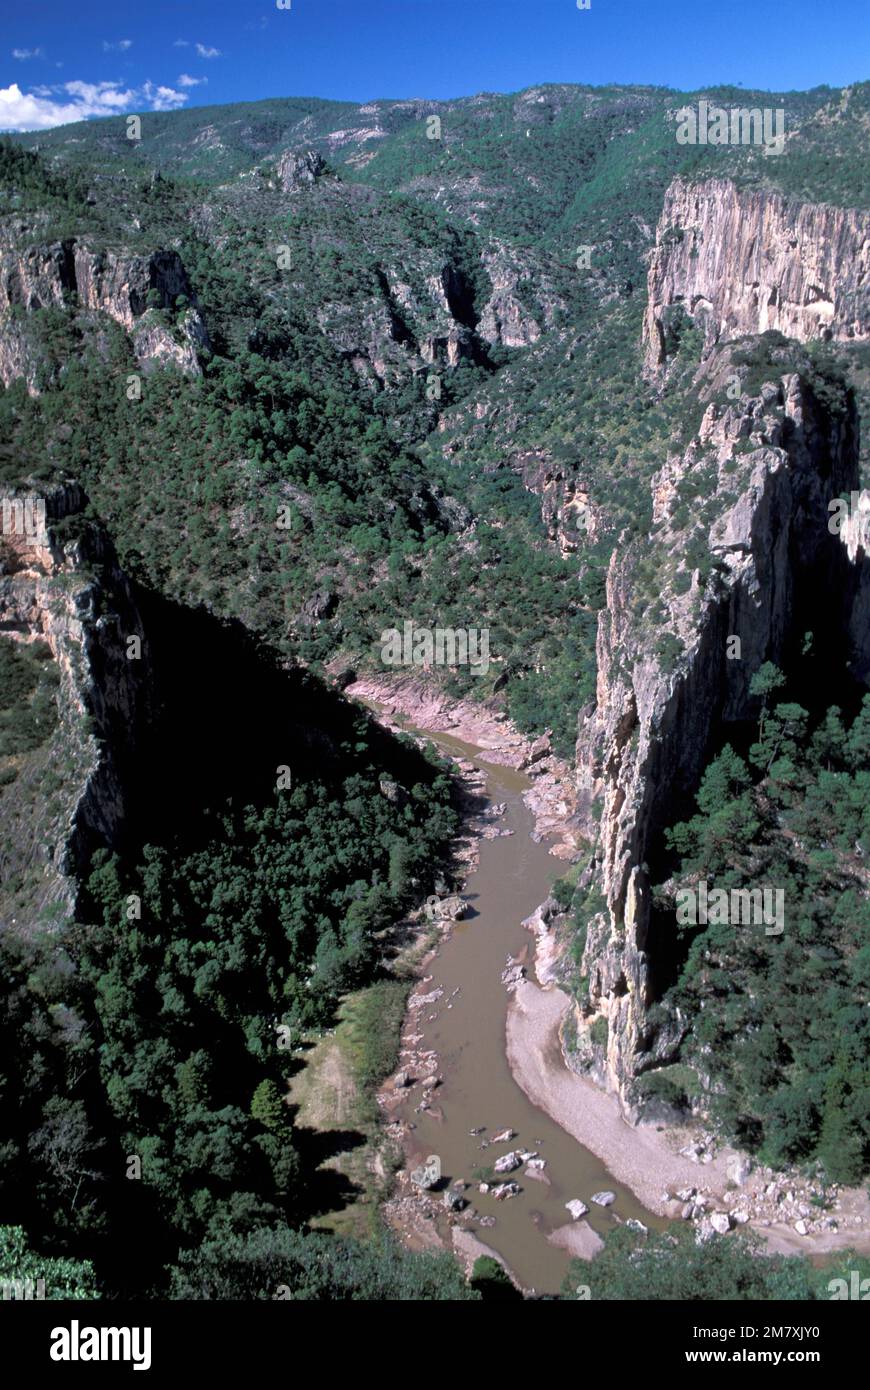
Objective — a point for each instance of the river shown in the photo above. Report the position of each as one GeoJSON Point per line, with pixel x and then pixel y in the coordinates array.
{"type": "Point", "coordinates": [466, 1028]}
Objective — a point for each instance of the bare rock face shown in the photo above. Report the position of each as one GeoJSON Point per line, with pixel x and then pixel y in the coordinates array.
{"type": "Point", "coordinates": [299, 169]}
{"type": "Point", "coordinates": [745, 261]}
{"type": "Point", "coordinates": [769, 467]}
{"type": "Point", "coordinates": [566, 504]}
{"type": "Point", "coordinates": [505, 319]}
{"type": "Point", "coordinates": [855, 536]}
{"type": "Point", "coordinates": [72, 594]}
{"type": "Point", "coordinates": [129, 289]}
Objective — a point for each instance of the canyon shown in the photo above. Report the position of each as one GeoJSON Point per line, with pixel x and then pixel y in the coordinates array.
{"type": "Point", "coordinates": [616, 472]}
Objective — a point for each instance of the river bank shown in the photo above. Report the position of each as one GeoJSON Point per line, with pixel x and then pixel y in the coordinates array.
{"type": "Point", "coordinates": [661, 1173]}
{"type": "Point", "coordinates": [550, 797]}
{"type": "Point", "coordinates": [652, 1160]}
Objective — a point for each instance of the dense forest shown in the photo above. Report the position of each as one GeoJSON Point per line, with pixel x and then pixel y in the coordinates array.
{"type": "Point", "coordinates": [777, 1024]}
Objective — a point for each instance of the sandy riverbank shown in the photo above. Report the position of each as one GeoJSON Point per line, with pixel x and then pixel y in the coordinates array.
{"type": "Point", "coordinates": [646, 1159]}
{"type": "Point", "coordinates": [641, 1157]}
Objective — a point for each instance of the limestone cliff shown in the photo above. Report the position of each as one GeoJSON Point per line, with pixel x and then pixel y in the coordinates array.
{"type": "Point", "coordinates": [747, 260]}
{"type": "Point", "coordinates": [767, 467]}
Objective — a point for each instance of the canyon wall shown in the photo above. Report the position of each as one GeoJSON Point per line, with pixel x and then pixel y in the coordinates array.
{"type": "Point", "coordinates": [65, 587]}
{"type": "Point", "coordinates": [763, 470]}
{"type": "Point", "coordinates": [745, 261]}
{"type": "Point", "coordinates": [123, 286]}
{"type": "Point", "coordinates": [643, 748]}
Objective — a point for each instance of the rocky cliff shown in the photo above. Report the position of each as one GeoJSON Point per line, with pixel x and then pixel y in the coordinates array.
{"type": "Point", "coordinates": [745, 261]}
{"type": "Point", "coordinates": [425, 314]}
{"type": "Point", "coordinates": [64, 586]}
{"type": "Point", "coordinates": [765, 469]}
{"type": "Point", "coordinates": [131, 290]}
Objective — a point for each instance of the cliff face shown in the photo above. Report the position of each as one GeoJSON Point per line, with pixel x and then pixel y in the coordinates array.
{"type": "Point", "coordinates": [771, 464]}
{"type": "Point", "coordinates": [743, 261]}
{"type": "Point", "coordinates": [121, 286]}
{"type": "Point", "coordinates": [298, 168]}
{"type": "Point", "coordinates": [73, 595]}
{"type": "Point", "coordinates": [748, 500]}
{"type": "Point", "coordinates": [855, 536]}
{"type": "Point", "coordinates": [425, 314]}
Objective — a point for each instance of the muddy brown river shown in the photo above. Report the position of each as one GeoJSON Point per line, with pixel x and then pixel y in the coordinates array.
{"type": "Point", "coordinates": [466, 1028]}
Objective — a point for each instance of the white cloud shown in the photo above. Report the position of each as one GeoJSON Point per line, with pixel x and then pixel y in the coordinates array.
{"type": "Point", "coordinates": [22, 54]}
{"type": "Point", "coordinates": [206, 52]}
{"type": "Point", "coordinates": [181, 43]}
{"type": "Point", "coordinates": [163, 98]}
{"type": "Point", "coordinates": [45, 107]}
{"type": "Point", "coordinates": [101, 98]}
{"type": "Point", "coordinates": [185, 80]}
{"type": "Point", "coordinates": [28, 111]}
{"type": "Point", "coordinates": [120, 47]}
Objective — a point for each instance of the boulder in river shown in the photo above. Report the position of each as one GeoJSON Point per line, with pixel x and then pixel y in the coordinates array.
{"type": "Point", "coordinates": [507, 1163]}
{"type": "Point", "coordinates": [739, 1168]}
{"type": "Point", "coordinates": [428, 1175]}
{"type": "Point", "coordinates": [577, 1208]}
{"type": "Point", "coordinates": [603, 1199]}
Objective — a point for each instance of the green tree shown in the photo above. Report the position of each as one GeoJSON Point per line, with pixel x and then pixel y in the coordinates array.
{"type": "Point", "coordinates": [48, 1276]}
{"type": "Point", "coordinates": [670, 1266]}
{"type": "Point", "coordinates": [765, 681]}
{"type": "Point", "coordinates": [279, 1264]}
{"type": "Point", "coordinates": [267, 1107]}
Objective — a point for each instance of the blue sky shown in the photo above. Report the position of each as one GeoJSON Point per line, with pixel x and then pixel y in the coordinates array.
{"type": "Point", "coordinates": [63, 60]}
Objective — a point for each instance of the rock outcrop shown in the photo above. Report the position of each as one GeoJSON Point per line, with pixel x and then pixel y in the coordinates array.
{"type": "Point", "coordinates": [131, 290]}
{"type": "Point", "coordinates": [855, 536]}
{"type": "Point", "coordinates": [661, 705]}
{"type": "Point", "coordinates": [70, 592]}
{"type": "Point", "coordinates": [748, 260]}
{"type": "Point", "coordinates": [299, 168]}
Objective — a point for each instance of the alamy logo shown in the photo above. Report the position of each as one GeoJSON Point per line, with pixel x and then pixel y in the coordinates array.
{"type": "Point", "coordinates": [440, 646]}
{"type": "Point", "coordinates": [857, 1289]}
{"type": "Point", "coordinates": [745, 907]}
{"type": "Point", "coordinates": [75, 1343]}
{"type": "Point", "coordinates": [857, 506]}
{"type": "Point", "coordinates": [22, 1289]}
{"type": "Point", "coordinates": [24, 516]}
{"type": "Point", "coordinates": [713, 125]}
